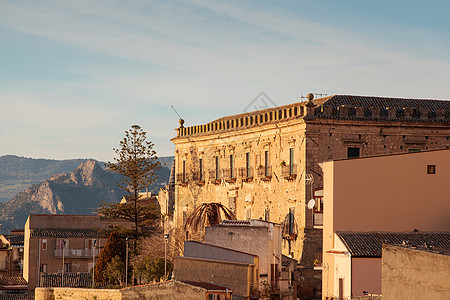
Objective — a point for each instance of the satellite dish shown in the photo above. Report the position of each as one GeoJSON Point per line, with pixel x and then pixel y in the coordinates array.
{"type": "Point", "coordinates": [311, 203]}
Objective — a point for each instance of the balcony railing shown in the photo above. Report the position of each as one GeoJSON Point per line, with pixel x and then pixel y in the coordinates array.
{"type": "Point", "coordinates": [181, 178]}
{"type": "Point", "coordinates": [71, 253]}
{"type": "Point", "coordinates": [246, 173]}
{"type": "Point", "coordinates": [214, 175]}
{"type": "Point", "coordinates": [265, 172]}
{"type": "Point", "coordinates": [229, 174]}
{"type": "Point", "coordinates": [289, 171]}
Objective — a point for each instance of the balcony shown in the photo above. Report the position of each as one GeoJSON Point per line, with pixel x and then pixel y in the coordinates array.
{"type": "Point", "coordinates": [318, 218]}
{"type": "Point", "coordinates": [265, 172]}
{"type": "Point", "coordinates": [289, 172]}
{"type": "Point", "coordinates": [214, 176]}
{"type": "Point", "coordinates": [182, 178]}
{"type": "Point", "coordinates": [74, 253]}
{"type": "Point", "coordinates": [198, 177]}
{"type": "Point", "coordinates": [246, 174]}
{"type": "Point", "coordinates": [229, 175]}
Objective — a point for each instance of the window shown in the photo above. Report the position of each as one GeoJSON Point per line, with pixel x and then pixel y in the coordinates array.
{"type": "Point", "coordinates": [217, 167]}
{"type": "Point", "coordinates": [44, 244]}
{"type": "Point", "coordinates": [62, 243]}
{"type": "Point", "coordinates": [247, 164]}
{"type": "Point", "coordinates": [232, 204]}
{"type": "Point", "coordinates": [248, 213]}
{"type": "Point", "coordinates": [67, 267]}
{"type": "Point", "coordinates": [291, 161]}
{"type": "Point", "coordinates": [232, 175]}
{"type": "Point", "coordinates": [43, 268]}
{"type": "Point", "coordinates": [200, 163]}
{"type": "Point", "coordinates": [184, 171]}
{"type": "Point", "coordinates": [352, 152]}
{"type": "Point", "coordinates": [431, 169]}
{"type": "Point", "coordinates": [266, 214]}
{"type": "Point", "coordinates": [266, 163]}
{"type": "Point", "coordinates": [291, 220]}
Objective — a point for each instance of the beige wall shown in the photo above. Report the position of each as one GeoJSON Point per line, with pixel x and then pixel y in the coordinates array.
{"type": "Point", "coordinates": [265, 242]}
{"type": "Point", "coordinates": [167, 290]}
{"type": "Point", "coordinates": [386, 193]}
{"type": "Point", "coordinates": [414, 274]}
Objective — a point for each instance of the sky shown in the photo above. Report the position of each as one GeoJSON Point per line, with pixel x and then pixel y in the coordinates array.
{"type": "Point", "coordinates": [74, 75]}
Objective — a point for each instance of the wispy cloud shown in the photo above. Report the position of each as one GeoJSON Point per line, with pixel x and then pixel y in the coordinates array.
{"type": "Point", "coordinates": [208, 58]}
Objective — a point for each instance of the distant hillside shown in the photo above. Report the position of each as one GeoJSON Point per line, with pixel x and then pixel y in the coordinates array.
{"type": "Point", "coordinates": [19, 173]}
{"type": "Point", "coordinates": [76, 192]}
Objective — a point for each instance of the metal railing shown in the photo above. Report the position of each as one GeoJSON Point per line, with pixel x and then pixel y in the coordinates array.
{"type": "Point", "coordinates": [68, 253]}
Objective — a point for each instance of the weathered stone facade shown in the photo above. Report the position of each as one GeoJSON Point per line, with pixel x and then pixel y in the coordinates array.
{"type": "Point", "coordinates": [265, 164]}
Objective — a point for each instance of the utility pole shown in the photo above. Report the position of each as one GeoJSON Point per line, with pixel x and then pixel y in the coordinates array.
{"type": "Point", "coordinates": [93, 262]}
{"type": "Point", "coordinates": [166, 238]}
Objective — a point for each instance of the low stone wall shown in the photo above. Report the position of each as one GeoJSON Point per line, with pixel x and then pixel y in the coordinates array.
{"type": "Point", "coordinates": [166, 290]}
{"type": "Point", "coordinates": [75, 293]}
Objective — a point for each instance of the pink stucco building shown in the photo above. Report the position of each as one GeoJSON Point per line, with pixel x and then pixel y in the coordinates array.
{"type": "Point", "coordinates": [393, 193]}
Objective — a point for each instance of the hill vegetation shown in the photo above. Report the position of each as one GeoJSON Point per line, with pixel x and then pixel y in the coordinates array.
{"type": "Point", "coordinates": [77, 191]}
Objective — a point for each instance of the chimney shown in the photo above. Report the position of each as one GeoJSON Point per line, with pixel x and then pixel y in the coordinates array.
{"type": "Point", "coordinates": [343, 111]}
{"type": "Point", "coordinates": [359, 112]}
{"type": "Point", "coordinates": [424, 114]}
{"type": "Point", "coordinates": [326, 110]}
{"type": "Point", "coordinates": [440, 114]}
{"type": "Point", "coordinates": [392, 112]}
{"type": "Point", "coordinates": [375, 112]}
{"type": "Point", "coordinates": [408, 112]}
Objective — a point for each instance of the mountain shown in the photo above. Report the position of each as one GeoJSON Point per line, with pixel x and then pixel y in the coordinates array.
{"type": "Point", "coordinates": [18, 173]}
{"type": "Point", "coordinates": [76, 192]}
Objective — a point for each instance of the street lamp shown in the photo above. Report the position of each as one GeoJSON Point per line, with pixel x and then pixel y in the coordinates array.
{"type": "Point", "coordinates": [166, 238]}
{"type": "Point", "coordinates": [93, 262]}
{"type": "Point", "coordinates": [126, 262]}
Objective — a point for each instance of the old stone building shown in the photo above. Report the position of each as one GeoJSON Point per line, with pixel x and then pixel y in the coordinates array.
{"type": "Point", "coordinates": [265, 164]}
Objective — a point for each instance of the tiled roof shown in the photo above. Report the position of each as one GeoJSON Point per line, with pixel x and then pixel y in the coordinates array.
{"type": "Point", "coordinates": [16, 240]}
{"type": "Point", "coordinates": [207, 286]}
{"type": "Point", "coordinates": [64, 232]}
{"type": "Point", "coordinates": [286, 261]}
{"type": "Point", "coordinates": [369, 244]}
{"type": "Point", "coordinates": [70, 280]}
{"type": "Point", "coordinates": [428, 114]}
{"type": "Point", "coordinates": [12, 281]}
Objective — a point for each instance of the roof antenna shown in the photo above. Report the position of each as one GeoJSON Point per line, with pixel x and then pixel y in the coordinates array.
{"type": "Point", "coordinates": [181, 119]}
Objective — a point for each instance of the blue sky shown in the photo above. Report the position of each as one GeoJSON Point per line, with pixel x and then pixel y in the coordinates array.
{"type": "Point", "coordinates": [74, 75]}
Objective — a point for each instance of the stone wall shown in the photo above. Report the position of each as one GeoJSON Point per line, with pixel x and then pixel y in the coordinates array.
{"type": "Point", "coordinates": [166, 290]}
{"type": "Point", "coordinates": [75, 293]}
{"type": "Point", "coordinates": [414, 274]}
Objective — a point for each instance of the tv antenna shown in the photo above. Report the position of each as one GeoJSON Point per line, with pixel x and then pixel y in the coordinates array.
{"type": "Point", "coordinates": [176, 112]}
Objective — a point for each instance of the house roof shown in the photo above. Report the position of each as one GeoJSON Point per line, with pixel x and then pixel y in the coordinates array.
{"type": "Point", "coordinates": [207, 286]}
{"type": "Point", "coordinates": [15, 239]}
{"type": "Point", "coordinates": [63, 232]}
{"type": "Point", "coordinates": [70, 280]}
{"type": "Point", "coordinates": [343, 107]}
{"type": "Point", "coordinates": [428, 114]}
{"type": "Point", "coordinates": [5, 281]}
{"type": "Point", "coordinates": [287, 261]}
{"type": "Point", "coordinates": [369, 244]}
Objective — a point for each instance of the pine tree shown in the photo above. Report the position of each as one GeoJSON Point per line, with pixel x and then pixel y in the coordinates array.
{"type": "Point", "coordinates": [137, 162]}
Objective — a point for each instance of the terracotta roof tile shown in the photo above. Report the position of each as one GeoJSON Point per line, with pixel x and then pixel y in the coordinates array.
{"type": "Point", "coordinates": [369, 244]}
{"type": "Point", "coordinates": [64, 232]}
